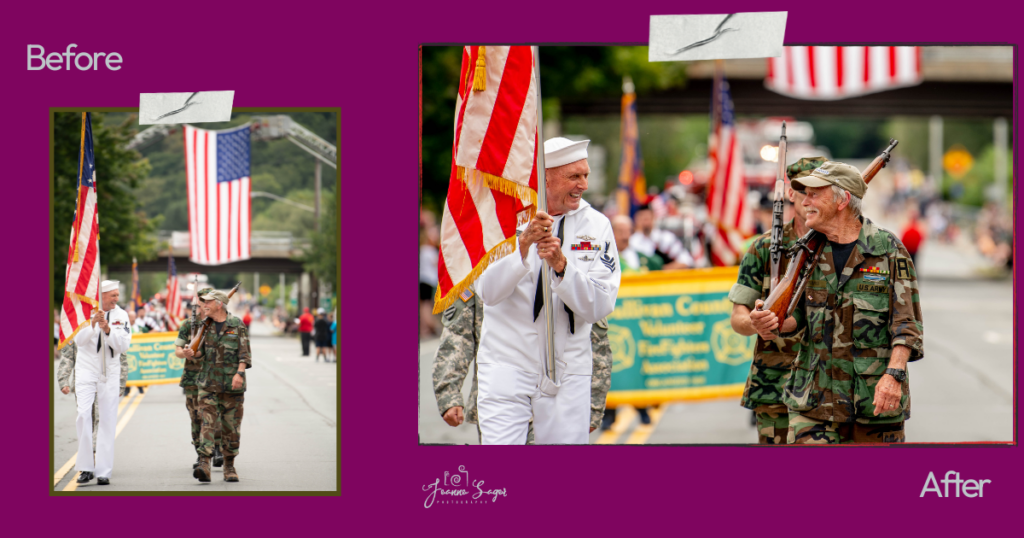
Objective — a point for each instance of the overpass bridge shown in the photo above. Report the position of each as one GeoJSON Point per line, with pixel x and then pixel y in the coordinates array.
{"type": "Point", "coordinates": [272, 252]}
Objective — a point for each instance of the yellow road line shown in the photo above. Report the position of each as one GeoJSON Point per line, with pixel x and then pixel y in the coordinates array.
{"type": "Point", "coordinates": [72, 484]}
{"type": "Point", "coordinates": [643, 431]}
{"type": "Point", "coordinates": [59, 475]}
{"type": "Point", "coordinates": [624, 416]}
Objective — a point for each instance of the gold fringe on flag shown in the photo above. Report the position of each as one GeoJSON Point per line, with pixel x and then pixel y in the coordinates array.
{"type": "Point", "coordinates": [71, 337]}
{"type": "Point", "coordinates": [499, 251]}
{"type": "Point", "coordinates": [480, 76]}
{"type": "Point", "coordinates": [500, 184]}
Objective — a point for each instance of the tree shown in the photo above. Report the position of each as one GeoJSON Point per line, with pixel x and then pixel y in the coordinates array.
{"type": "Point", "coordinates": [322, 257]}
{"type": "Point", "coordinates": [124, 230]}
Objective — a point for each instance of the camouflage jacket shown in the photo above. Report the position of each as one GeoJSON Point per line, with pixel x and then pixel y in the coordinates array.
{"type": "Point", "coordinates": [190, 372]}
{"type": "Point", "coordinates": [66, 367]}
{"type": "Point", "coordinates": [773, 359]}
{"type": "Point", "coordinates": [460, 340]}
{"type": "Point", "coordinates": [854, 318]}
{"type": "Point", "coordinates": [221, 354]}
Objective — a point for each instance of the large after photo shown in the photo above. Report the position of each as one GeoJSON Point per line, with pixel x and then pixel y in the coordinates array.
{"type": "Point", "coordinates": [814, 248]}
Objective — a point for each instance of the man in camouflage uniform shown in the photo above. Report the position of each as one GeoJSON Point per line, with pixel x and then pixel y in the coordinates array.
{"type": "Point", "coordinates": [188, 383]}
{"type": "Point", "coordinates": [66, 382]}
{"type": "Point", "coordinates": [773, 359]}
{"type": "Point", "coordinates": [460, 338]}
{"type": "Point", "coordinates": [862, 321]}
{"type": "Point", "coordinates": [225, 356]}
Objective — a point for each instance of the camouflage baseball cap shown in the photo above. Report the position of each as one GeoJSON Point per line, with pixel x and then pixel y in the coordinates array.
{"type": "Point", "coordinates": [803, 167]}
{"type": "Point", "coordinates": [210, 294]}
{"type": "Point", "coordinates": [842, 175]}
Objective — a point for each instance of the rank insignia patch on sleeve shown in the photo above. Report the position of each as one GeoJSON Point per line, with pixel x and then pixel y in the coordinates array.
{"type": "Point", "coordinates": [607, 260]}
{"type": "Point", "coordinates": [902, 268]}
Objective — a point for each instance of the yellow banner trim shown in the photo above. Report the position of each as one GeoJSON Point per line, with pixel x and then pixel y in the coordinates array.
{"type": "Point", "coordinates": [647, 398]}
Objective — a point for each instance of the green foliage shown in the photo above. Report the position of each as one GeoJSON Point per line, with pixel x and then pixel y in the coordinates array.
{"type": "Point", "coordinates": [668, 143]}
{"type": "Point", "coordinates": [566, 74]}
{"type": "Point", "coordinates": [322, 257]}
{"type": "Point", "coordinates": [125, 231]}
{"type": "Point", "coordinates": [850, 138]}
{"type": "Point", "coordinates": [971, 188]}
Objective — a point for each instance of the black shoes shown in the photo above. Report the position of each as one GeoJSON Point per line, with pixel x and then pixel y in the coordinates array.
{"type": "Point", "coordinates": [644, 417]}
{"type": "Point", "coordinates": [218, 458]}
{"type": "Point", "coordinates": [85, 477]}
{"type": "Point", "coordinates": [103, 481]}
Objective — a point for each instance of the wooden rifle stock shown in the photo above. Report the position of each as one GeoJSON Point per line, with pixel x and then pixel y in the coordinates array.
{"type": "Point", "coordinates": [197, 340]}
{"type": "Point", "coordinates": [785, 295]}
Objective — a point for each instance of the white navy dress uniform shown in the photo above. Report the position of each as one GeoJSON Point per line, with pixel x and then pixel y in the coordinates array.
{"type": "Point", "coordinates": [513, 343]}
{"type": "Point", "coordinates": [97, 377]}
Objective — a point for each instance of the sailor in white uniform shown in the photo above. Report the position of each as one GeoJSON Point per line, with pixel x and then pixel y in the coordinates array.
{"type": "Point", "coordinates": [97, 377]}
{"type": "Point", "coordinates": [574, 242]}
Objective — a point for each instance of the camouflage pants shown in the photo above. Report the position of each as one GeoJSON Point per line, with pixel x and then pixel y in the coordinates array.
{"type": "Point", "coordinates": [195, 416]}
{"type": "Point", "coordinates": [809, 431]}
{"type": "Point", "coordinates": [221, 411]}
{"type": "Point", "coordinates": [772, 425]}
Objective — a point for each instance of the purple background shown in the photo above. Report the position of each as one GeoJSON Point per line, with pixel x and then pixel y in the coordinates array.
{"type": "Point", "coordinates": [364, 60]}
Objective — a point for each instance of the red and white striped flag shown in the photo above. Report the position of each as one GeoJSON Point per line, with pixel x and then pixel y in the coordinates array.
{"type": "Point", "coordinates": [175, 310]}
{"type": "Point", "coordinates": [727, 188]}
{"type": "Point", "coordinates": [82, 278]}
{"type": "Point", "coordinates": [219, 208]}
{"type": "Point", "coordinates": [830, 73]}
{"type": "Point", "coordinates": [493, 184]}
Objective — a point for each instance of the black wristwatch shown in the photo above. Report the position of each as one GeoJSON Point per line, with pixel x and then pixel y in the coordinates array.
{"type": "Point", "coordinates": [900, 375]}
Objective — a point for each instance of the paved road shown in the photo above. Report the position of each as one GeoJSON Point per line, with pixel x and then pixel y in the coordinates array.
{"type": "Point", "coordinates": [289, 433]}
{"type": "Point", "coordinates": [962, 390]}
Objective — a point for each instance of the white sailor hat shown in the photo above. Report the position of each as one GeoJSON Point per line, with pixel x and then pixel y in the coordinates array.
{"type": "Point", "coordinates": [109, 285]}
{"type": "Point", "coordinates": [562, 151]}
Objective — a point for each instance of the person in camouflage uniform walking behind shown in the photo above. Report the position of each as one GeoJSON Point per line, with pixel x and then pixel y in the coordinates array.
{"type": "Point", "coordinates": [460, 338]}
{"type": "Point", "coordinates": [225, 358]}
{"type": "Point", "coordinates": [773, 359]}
{"type": "Point", "coordinates": [862, 321]}
{"type": "Point", "coordinates": [66, 371]}
{"type": "Point", "coordinates": [189, 376]}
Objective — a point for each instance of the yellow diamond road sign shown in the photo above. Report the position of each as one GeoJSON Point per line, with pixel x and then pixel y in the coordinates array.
{"type": "Point", "coordinates": [957, 161]}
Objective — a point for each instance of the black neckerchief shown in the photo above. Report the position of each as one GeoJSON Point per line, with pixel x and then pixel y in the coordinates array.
{"type": "Point", "coordinates": [538, 300]}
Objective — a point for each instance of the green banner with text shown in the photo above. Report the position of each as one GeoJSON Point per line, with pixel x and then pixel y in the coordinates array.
{"type": "Point", "coordinates": [151, 359]}
{"type": "Point", "coordinates": [671, 338]}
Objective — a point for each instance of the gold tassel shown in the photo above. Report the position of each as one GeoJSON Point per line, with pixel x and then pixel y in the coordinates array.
{"type": "Point", "coordinates": [480, 76]}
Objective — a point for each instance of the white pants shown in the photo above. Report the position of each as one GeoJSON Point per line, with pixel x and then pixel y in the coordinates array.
{"type": "Point", "coordinates": [509, 397]}
{"type": "Point", "coordinates": [89, 388]}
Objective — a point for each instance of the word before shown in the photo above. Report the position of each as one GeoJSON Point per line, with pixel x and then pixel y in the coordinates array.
{"type": "Point", "coordinates": [971, 488]}
{"type": "Point", "coordinates": [84, 61]}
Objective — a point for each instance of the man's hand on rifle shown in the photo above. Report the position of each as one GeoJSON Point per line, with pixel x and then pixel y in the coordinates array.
{"type": "Point", "coordinates": [187, 351]}
{"type": "Point", "coordinates": [765, 321]}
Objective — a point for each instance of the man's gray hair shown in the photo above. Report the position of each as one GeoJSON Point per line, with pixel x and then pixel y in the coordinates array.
{"type": "Point", "coordinates": [856, 203]}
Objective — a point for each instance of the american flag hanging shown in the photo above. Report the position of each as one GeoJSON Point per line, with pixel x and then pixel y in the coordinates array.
{"type": "Point", "coordinates": [175, 310]}
{"type": "Point", "coordinates": [82, 279]}
{"type": "Point", "coordinates": [830, 73]}
{"type": "Point", "coordinates": [219, 208]}
{"type": "Point", "coordinates": [727, 188]}
{"type": "Point", "coordinates": [493, 182]}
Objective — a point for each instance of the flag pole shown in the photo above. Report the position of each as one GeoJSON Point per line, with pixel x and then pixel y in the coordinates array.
{"type": "Point", "coordinates": [542, 205]}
